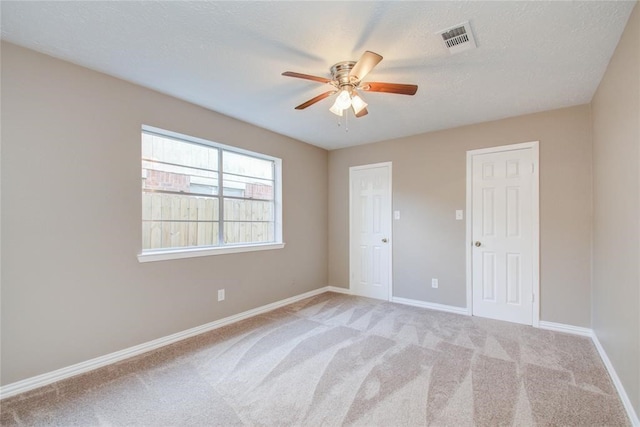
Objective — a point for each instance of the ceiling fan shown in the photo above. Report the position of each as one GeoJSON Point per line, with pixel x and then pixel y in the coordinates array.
{"type": "Point", "coordinates": [347, 81]}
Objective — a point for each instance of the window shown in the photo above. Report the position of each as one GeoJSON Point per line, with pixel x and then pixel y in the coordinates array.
{"type": "Point", "coordinates": [203, 198]}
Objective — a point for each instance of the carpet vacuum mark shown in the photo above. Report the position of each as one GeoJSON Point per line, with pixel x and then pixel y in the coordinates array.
{"type": "Point", "coordinates": [335, 360]}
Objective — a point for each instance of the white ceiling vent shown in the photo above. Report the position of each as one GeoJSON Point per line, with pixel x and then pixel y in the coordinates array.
{"type": "Point", "coordinates": [458, 38]}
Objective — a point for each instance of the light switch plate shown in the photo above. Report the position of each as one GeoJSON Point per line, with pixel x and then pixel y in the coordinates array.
{"type": "Point", "coordinates": [459, 214]}
{"type": "Point", "coordinates": [396, 214]}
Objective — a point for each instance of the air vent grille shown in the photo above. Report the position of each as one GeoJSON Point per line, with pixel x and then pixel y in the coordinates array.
{"type": "Point", "coordinates": [455, 37]}
{"type": "Point", "coordinates": [458, 38]}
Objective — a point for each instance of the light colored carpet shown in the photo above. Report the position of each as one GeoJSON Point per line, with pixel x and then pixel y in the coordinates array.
{"type": "Point", "coordinates": [342, 360]}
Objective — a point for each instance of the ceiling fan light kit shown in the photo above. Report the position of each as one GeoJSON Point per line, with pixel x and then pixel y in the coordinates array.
{"type": "Point", "coordinates": [336, 110]}
{"type": "Point", "coordinates": [343, 100]}
{"type": "Point", "coordinates": [347, 81]}
{"type": "Point", "coordinates": [358, 104]}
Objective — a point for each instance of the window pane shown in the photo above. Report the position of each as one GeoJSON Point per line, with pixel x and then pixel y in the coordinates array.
{"type": "Point", "coordinates": [187, 201]}
{"type": "Point", "coordinates": [249, 188]}
{"type": "Point", "coordinates": [241, 164]}
{"type": "Point", "coordinates": [175, 234]}
{"type": "Point", "coordinates": [179, 179]}
{"type": "Point", "coordinates": [169, 150]}
{"type": "Point", "coordinates": [248, 232]}
{"type": "Point", "coordinates": [248, 210]}
{"type": "Point", "coordinates": [178, 166]}
{"type": "Point", "coordinates": [170, 221]}
{"type": "Point", "coordinates": [160, 206]}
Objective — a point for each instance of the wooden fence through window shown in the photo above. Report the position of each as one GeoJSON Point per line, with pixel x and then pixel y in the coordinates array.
{"type": "Point", "coordinates": [175, 221]}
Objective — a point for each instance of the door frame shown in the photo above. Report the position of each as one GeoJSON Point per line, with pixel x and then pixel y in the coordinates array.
{"type": "Point", "coordinates": [389, 166]}
{"type": "Point", "coordinates": [535, 192]}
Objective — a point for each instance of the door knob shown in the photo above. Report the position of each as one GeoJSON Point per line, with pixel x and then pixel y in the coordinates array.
{"type": "Point", "coordinates": [478, 244]}
{"type": "Point", "coordinates": [384, 240]}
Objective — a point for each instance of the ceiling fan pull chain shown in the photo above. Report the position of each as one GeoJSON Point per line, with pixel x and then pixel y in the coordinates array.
{"type": "Point", "coordinates": [346, 120]}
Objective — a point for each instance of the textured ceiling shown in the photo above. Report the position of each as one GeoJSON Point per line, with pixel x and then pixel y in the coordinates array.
{"type": "Point", "coordinates": [229, 56]}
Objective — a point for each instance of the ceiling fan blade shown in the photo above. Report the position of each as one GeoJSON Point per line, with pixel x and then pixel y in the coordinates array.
{"type": "Point", "coordinates": [365, 64]}
{"type": "Point", "coordinates": [316, 99]}
{"type": "Point", "coordinates": [362, 113]}
{"type": "Point", "coordinates": [306, 76]}
{"type": "Point", "coordinates": [398, 88]}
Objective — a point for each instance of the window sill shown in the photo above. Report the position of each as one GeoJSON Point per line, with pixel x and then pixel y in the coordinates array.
{"type": "Point", "coordinates": [164, 255]}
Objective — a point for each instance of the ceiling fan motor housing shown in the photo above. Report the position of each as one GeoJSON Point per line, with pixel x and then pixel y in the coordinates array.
{"type": "Point", "coordinates": [340, 73]}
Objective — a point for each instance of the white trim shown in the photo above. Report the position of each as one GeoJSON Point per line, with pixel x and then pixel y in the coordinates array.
{"type": "Point", "coordinates": [626, 402]}
{"type": "Point", "coordinates": [98, 362]}
{"type": "Point", "coordinates": [468, 238]}
{"type": "Point", "coordinates": [390, 229]}
{"type": "Point", "coordinates": [339, 290]}
{"type": "Point", "coordinates": [586, 332]}
{"type": "Point", "coordinates": [535, 189]}
{"type": "Point", "coordinates": [431, 305]}
{"type": "Point", "coordinates": [389, 166]}
{"type": "Point", "coordinates": [501, 148]}
{"type": "Point", "coordinates": [164, 255]}
{"type": "Point", "coordinates": [535, 152]}
{"type": "Point", "coordinates": [370, 166]}
{"type": "Point", "coordinates": [278, 195]}
{"type": "Point", "coordinates": [568, 329]}
{"type": "Point", "coordinates": [184, 137]}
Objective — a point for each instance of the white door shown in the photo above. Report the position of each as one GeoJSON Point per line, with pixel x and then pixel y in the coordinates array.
{"type": "Point", "coordinates": [370, 230]}
{"type": "Point", "coordinates": [504, 234]}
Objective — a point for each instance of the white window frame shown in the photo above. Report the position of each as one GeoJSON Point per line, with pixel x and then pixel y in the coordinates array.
{"type": "Point", "coordinates": [190, 252]}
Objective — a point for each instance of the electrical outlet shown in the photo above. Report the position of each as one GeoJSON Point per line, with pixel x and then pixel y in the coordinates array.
{"type": "Point", "coordinates": [220, 294]}
{"type": "Point", "coordinates": [434, 283]}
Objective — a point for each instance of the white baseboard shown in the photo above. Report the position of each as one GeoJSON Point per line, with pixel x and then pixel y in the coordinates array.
{"type": "Point", "coordinates": [577, 330]}
{"type": "Point", "coordinates": [626, 402]}
{"type": "Point", "coordinates": [569, 329]}
{"type": "Point", "coordinates": [98, 362]}
{"type": "Point", "coordinates": [431, 305]}
{"type": "Point", "coordinates": [412, 302]}
{"type": "Point", "coordinates": [339, 290]}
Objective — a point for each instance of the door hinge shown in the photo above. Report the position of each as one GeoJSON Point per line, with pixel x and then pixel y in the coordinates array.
{"type": "Point", "coordinates": [533, 168]}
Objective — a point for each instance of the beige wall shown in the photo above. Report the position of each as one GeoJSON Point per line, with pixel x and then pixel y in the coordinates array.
{"type": "Point", "coordinates": [616, 244]}
{"type": "Point", "coordinates": [72, 288]}
{"type": "Point", "coordinates": [429, 181]}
